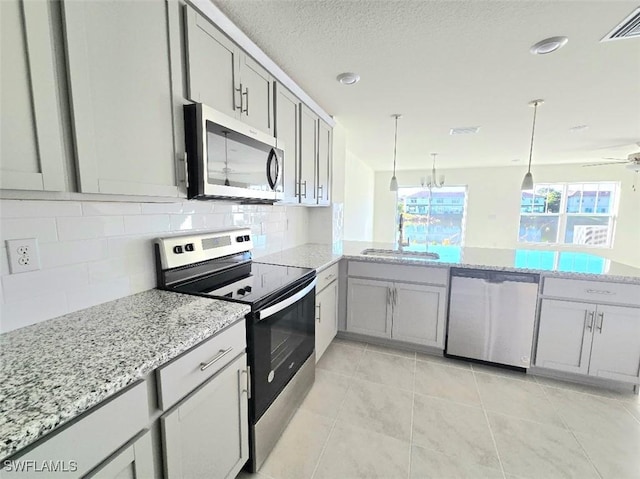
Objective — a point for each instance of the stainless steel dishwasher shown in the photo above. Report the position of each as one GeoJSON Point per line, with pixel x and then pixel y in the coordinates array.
{"type": "Point", "coordinates": [491, 316]}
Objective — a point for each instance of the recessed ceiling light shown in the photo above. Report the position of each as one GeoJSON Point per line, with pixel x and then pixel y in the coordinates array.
{"type": "Point", "coordinates": [578, 128]}
{"type": "Point", "coordinates": [548, 45]}
{"type": "Point", "coordinates": [348, 78]}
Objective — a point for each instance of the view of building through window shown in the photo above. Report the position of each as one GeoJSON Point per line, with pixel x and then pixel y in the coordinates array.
{"type": "Point", "coordinates": [568, 213]}
{"type": "Point", "coordinates": [436, 217]}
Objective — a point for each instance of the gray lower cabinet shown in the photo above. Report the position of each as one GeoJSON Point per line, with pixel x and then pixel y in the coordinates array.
{"type": "Point", "coordinates": [119, 72]}
{"type": "Point", "coordinates": [412, 313]}
{"type": "Point", "coordinates": [224, 77]}
{"type": "Point", "coordinates": [135, 460]}
{"type": "Point", "coordinates": [206, 434]}
{"type": "Point", "coordinates": [592, 339]}
{"type": "Point", "coordinates": [31, 130]}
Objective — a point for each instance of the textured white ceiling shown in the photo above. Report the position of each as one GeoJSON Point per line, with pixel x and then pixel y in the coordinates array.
{"type": "Point", "coordinates": [445, 64]}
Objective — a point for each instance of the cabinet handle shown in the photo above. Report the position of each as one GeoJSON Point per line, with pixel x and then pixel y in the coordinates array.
{"type": "Point", "coordinates": [319, 308]}
{"type": "Point", "coordinates": [305, 188]}
{"type": "Point", "coordinates": [221, 354]}
{"type": "Point", "coordinates": [320, 191]}
{"type": "Point", "coordinates": [239, 90]}
{"type": "Point", "coordinates": [329, 277]}
{"type": "Point", "coordinates": [599, 291]}
{"type": "Point", "coordinates": [599, 322]}
{"type": "Point", "coordinates": [388, 295]}
{"type": "Point", "coordinates": [589, 315]}
{"type": "Point", "coordinates": [246, 95]}
{"type": "Point", "coordinates": [247, 389]}
{"type": "Point", "coordinates": [395, 296]}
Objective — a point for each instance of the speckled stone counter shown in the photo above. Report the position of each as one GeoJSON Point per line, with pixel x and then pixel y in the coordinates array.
{"type": "Point", "coordinates": [320, 256]}
{"type": "Point", "coordinates": [53, 371]}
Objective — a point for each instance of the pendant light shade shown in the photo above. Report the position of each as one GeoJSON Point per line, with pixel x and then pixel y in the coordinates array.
{"type": "Point", "coordinates": [393, 186]}
{"type": "Point", "coordinates": [527, 181]}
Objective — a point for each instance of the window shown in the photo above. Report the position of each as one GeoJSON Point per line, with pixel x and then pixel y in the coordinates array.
{"type": "Point", "coordinates": [568, 213]}
{"type": "Point", "coordinates": [437, 218]}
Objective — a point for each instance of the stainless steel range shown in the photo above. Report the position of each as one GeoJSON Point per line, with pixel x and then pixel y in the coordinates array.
{"type": "Point", "coordinates": [280, 326]}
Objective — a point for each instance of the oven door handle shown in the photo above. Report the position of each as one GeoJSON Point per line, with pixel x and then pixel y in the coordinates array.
{"type": "Point", "coordinates": [276, 308]}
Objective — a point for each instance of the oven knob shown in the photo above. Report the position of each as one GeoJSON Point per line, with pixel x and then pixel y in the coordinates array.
{"type": "Point", "coordinates": [189, 247]}
{"type": "Point", "coordinates": [247, 289]}
{"type": "Point", "coordinates": [177, 249]}
{"type": "Point", "coordinates": [240, 239]}
{"type": "Point", "coordinates": [241, 291]}
{"type": "Point", "coordinates": [247, 237]}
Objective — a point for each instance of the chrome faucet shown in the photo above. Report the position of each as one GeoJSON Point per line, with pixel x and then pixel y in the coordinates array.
{"type": "Point", "coordinates": [401, 243]}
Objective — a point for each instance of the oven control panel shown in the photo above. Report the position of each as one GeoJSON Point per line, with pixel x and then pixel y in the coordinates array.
{"type": "Point", "coordinates": [183, 250]}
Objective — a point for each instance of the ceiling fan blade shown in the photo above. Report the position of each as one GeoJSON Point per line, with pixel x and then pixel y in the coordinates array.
{"type": "Point", "coordinates": [608, 163]}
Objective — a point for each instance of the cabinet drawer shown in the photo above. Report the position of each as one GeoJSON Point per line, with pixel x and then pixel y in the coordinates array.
{"type": "Point", "coordinates": [394, 272]}
{"type": "Point", "coordinates": [597, 291]}
{"type": "Point", "coordinates": [92, 438]}
{"type": "Point", "coordinates": [185, 373]}
{"type": "Point", "coordinates": [327, 276]}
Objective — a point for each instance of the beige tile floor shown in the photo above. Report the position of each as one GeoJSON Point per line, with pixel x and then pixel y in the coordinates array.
{"type": "Point", "coordinates": [381, 413]}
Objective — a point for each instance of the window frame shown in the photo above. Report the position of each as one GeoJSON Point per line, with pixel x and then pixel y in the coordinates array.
{"type": "Point", "coordinates": [563, 215]}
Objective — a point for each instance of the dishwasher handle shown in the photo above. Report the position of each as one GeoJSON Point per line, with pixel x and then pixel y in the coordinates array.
{"type": "Point", "coordinates": [514, 277]}
{"type": "Point", "coordinates": [470, 273]}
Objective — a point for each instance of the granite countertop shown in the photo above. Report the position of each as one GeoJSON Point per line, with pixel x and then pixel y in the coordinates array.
{"type": "Point", "coordinates": [53, 371]}
{"type": "Point", "coordinates": [558, 263]}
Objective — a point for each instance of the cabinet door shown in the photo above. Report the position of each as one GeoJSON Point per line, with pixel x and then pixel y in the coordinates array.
{"type": "Point", "coordinates": [419, 314]}
{"type": "Point", "coordinates": [324, 162]}
{"type": "Point", "coordinates": [121, 98]}
{"type": "Point", "coordinates": [308, 158]}
{"type": "Point", "coordinates": [133, 461]}
{"type": "Point", "coordinates": [286, 129]}
{"type": "Point", "coordinates": [212, 63]}
{"type": "Point", "coordinates": [206, 435]}
{"type": "Point", "coordinates": [616, 344]}
{"type": "Point", "coordinates": [565, 335]}
{"type": "Point", "coordinates": [369, 307]}
{"type": "Point", "coordinates": [31, 148]}
{"type": "Point", "coordinates": [326, 318]}
{"type": "Point", "coordinates": [257, 95]}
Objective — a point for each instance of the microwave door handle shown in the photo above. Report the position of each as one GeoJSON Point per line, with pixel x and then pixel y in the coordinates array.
{"type": "Point", "coordinates": [273, 180]}
{"type": "Point", "coordinates": [276, 308]}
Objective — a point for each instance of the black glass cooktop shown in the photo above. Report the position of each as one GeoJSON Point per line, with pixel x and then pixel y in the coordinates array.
{"type": "Point", "coordinates": [249, 283]}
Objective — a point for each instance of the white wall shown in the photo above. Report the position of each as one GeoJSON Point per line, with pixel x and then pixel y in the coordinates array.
{"type": "Point", "coordinates": [92, 252]}
{"type": "Point", "coordinates": [493, 207]}
{"type": "Point", "coordinates": [358, 199]}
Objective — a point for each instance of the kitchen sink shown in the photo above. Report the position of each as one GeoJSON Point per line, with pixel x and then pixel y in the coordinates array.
{"type": "Point", "coordinates": [399, 253]}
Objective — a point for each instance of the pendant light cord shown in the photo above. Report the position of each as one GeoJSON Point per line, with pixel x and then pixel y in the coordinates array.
{"type": "Point", "coordinates": [395, 146]}
{"type": "Point", "coordinates": [533, 130]}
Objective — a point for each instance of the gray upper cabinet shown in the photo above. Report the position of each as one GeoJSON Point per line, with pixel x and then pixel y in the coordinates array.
{"type": "Point", "coordinates": [308, 155]}
{"type": "Point", "coordinates": [31, 135]}
{"type": "Point", "coordinates": [325, 148]}
{"type": "Point", "coordinates": [286, 129]}
{"type": "Point", "coordinates": [222, 76]}
{"type": "Point", "coordinates": [121, 96]}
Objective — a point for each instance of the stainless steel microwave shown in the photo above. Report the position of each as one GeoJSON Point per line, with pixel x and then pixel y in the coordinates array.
{"type": "Point", "coordinates": [227, 159]}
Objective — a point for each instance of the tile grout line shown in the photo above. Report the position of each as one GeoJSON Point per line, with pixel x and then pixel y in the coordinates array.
{"type": "Point", "coordinates": [335, 420]}
{"type": "Point", "coordinates": [566, 425]}
{"type": "Point", "coordinates": [486, 417]}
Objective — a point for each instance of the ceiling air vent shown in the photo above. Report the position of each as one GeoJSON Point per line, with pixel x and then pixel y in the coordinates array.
{"type": "Point", "coordinates": [465, 130]}
{"type": "Point", "coordinates": [629, 28]}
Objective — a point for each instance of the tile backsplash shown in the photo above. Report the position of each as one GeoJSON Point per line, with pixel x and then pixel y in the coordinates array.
{"type": "Point", "coordinates": [92, 252]}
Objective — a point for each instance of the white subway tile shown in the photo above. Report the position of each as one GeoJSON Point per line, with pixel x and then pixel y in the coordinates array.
{"type": "Point", "coordinates": [44, 229]}
{"type": "Point", "coordinates": [33, 310]}
{"type": "Point", "coordinates": [142, 282]}
{"type": "Point", "coordinates": [216, 221]}
{"type": "Point", "coordinates": [109, 208]}
{"type": "Point", "coordinates": [187, 222]}
{"type": "Point", "coordinates": [22, 286]}
{"type": "Point", "coordinates": [161, 208]}
{"type": "Point", "coordinates": [202, 207]}
{"type": "Point", "coordinates": [131, 246]}
{"type": "Point", "coordinates": [97, 293]}
{"type": "Point", "coordinates": [64, 253]}
{"type": "Point", "coordinates": [38, 209]}
{"type": "Point", "coordinates": [146, 224]}
{"type": "Point", "coordinates": [220, 207]}
{"type": "Point", "coordinates": [88, 227]}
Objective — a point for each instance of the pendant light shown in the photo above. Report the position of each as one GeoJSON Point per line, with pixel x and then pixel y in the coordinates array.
{"type": "Point", "coordinates": [527, 181]}
{"type": "Point", "coordinates": [393, 186]}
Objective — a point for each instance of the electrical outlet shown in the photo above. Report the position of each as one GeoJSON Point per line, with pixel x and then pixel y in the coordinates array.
{"type": "Point", "coordinates": [23, 255]}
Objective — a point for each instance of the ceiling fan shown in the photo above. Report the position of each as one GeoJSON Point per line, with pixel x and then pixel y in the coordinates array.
{"type": "Point", "coordinates": [631, 163]}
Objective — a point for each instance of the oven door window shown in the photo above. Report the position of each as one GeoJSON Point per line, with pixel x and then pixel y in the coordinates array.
{"type": "Point", "coordinates": [236, 160]}
{"type": "Point", "coordinates": [282, 343]}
